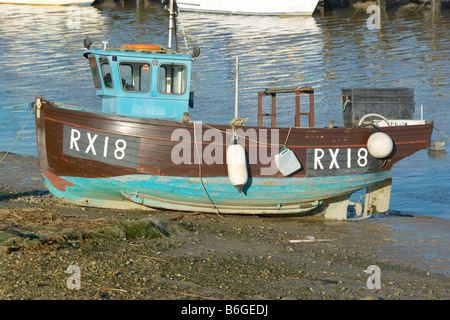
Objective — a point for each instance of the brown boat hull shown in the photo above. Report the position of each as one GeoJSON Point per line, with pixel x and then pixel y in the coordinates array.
{"type": "Point", "coordinates": [182, 165]}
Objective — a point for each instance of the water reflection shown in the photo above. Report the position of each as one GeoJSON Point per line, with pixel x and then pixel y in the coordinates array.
{"type": "Point", "coordinates": [22, 25]}
{"type": "Point", "coordinates": [40, 49]}
{"type": "Point", "coordinates": [437, 154]}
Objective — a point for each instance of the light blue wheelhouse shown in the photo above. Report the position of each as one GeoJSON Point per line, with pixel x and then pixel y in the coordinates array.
{"type": "Point", "coordinates": [142, 84]}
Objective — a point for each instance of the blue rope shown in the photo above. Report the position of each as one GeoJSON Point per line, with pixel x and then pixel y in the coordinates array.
{"type": "Point", "coordinates": [345, 104]}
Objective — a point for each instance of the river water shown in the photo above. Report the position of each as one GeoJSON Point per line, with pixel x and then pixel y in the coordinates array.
{"type": "Point", "coordinates": [41, 54]}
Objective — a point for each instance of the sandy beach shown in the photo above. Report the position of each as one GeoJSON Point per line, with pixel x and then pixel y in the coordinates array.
{"type": "Point", "coordinates": [161, 255]}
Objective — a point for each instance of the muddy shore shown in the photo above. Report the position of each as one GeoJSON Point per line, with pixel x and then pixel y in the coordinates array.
{"type": "Point", "coordinates": [161, 255]}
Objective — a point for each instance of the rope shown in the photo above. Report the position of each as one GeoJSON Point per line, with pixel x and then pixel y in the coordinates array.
{"type": "Point", "coordinates": [373, 115]}
{"type": "Point", "coordinates": [60, 104]}
{"type": "Point", "coordinates": [347, 100]}
{"type": "Point", "coordinates": [15, 106]}
{"type": "Point", "coordinates": [200, 174]}
{"type": "Point", "coordinates": [441, 133]}
{"type": "Point", "coordinates": [287, 137]}
{"type": "Point", "coordinates": [236, 122]}
{"type": "Point", "coordinates": [236, 135]}
{"type": "Point", "coordinates": [182, 29]}
{"type": "Point", "coordinates": [421, 5]}
{"type": "Point", "coordinates": [20, 132]}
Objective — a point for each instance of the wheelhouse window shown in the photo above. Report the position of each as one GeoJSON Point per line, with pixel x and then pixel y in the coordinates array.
{"type": "Point", "coordinates": [135, 76]}
{"type": "Point", "coordinates": [106, 72]}
{"type": "Point", "coordinates": [172, 79]}
{"type": "Point", "coordinates": [95, 73]}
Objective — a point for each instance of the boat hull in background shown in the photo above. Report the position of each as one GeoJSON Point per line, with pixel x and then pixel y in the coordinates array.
{"type": "Point", "coordinates": [258, 7]}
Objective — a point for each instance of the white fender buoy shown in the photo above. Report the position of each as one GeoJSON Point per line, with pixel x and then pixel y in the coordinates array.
{"type": "Point", "coordinates": [380, 145]}
{"type": "Point", "coordinates": [237, 165]}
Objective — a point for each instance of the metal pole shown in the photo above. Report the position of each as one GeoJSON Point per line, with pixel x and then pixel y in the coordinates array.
{"type": "Point", "coordinates": [236, 101]}
{"type": "Point", "coordinates": [170, 23]}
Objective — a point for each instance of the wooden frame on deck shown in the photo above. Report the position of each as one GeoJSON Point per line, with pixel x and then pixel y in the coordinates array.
{"type": "Point", "coordinates": [298, 91]}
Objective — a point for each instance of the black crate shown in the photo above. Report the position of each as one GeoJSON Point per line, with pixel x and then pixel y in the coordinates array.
{"type": "Point", "coordinates": [392, 103]}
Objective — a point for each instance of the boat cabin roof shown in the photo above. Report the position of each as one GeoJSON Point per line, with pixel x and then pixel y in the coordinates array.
{"type": "Point", "coordinates": [140, 53]}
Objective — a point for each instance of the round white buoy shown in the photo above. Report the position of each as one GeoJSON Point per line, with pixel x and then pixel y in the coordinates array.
{"type": "Point", "coordinates": [237, 166]}
{"type": "Point", "coordinates": [380, 145]}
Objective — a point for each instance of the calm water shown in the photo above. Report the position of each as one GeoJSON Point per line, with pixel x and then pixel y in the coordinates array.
{"type": "Point", "coordinates": [41, 54]}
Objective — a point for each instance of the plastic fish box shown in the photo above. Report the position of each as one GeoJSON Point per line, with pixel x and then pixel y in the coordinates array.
{"type": "Point", "coordinates": [392, 103]}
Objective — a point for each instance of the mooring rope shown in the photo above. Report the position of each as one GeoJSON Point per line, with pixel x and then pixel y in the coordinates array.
{"type": "Point", "coordinates": [20, 132]}
{"type": "Point", "coordinates": [14, 106]}
{"type": "Point", "coordinates": [441, 133]}
{"type": "Point", "coordinates": [201, 177]}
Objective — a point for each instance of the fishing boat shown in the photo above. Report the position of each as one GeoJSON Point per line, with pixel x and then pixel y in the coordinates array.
{"type": "Point", "coordinates": [258, 7]}
{"type": "Point", "coordinates": [48, 2]}
{"type": "Point", "coordinates": [142, 149]}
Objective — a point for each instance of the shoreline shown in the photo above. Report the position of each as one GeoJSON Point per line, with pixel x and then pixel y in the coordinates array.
{"type": "Point", "coordinates": [164, 255]}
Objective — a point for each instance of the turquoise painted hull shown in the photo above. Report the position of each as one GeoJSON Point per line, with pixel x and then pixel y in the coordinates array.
{"type": "Point", "coordinates": [260, 196]}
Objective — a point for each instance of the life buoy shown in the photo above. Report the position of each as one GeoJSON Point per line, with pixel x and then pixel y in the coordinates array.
{"type": "Point", "coordinates": [141, 46]}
